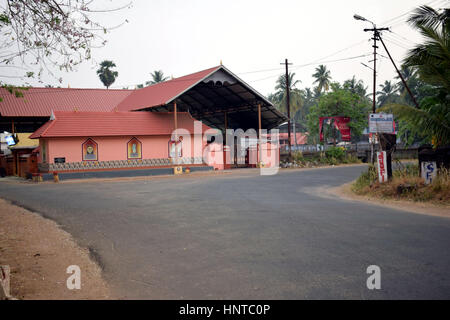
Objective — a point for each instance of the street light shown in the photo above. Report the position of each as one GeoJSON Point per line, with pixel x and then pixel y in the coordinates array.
{"type": "Point", "coordinates": [358, 17]}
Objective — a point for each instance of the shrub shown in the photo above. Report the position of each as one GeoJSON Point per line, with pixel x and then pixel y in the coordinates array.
{"type": "Point", "coordinates": [365, 180]}
{"type": "Point", "coordinates": [298, 157]}
{"type": "Point", "coordinates": [335, 152]}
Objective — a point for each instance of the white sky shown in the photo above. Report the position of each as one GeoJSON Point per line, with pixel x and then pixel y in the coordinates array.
{"type": "Point", "coordinates": [181, 37]}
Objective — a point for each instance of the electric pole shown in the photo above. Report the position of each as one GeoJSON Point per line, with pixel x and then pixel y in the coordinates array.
{"type": "Point", "coordinates": [376, 36]}
{"type": "Point", "coordinates": [288, 106]}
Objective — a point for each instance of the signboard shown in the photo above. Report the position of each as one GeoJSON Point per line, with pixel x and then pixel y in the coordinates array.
{"type": "Point", "coordinates": [60, 160]}
{"type": "Point", "coordinates": [381, 123]}
{"type": "Point", "coordinates": [340, 123]}
{"type": "Point", "coordinates": [382, 166]}
{"type": "Point", "coordinates": [428, 170]}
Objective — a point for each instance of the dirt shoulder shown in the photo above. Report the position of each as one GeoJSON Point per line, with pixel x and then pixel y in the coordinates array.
{"type": "Point", "coordinates": [38, 253]}
{"type": "Point", "coordinates": [345, 192]}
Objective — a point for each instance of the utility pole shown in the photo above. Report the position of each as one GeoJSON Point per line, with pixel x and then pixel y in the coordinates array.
{"type": "Point", "coordinates": [376, 36]}
{"type": "Point", "coordinates": [288, 106]}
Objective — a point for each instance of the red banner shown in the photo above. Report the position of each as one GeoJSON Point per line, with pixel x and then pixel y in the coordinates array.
{"type": "Point", "coordinates": [340, 123]}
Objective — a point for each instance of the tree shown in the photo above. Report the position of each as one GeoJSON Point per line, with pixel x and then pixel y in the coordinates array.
{"type": "Point", "coordinates": [157, 77]}
{"type": "Point", "coordinates": [388, 93]}
{"type": "Point", "coordinates": [431, 59]}
{"type": "Point", "coordinates": [106, 75]}
{"type": "Point", "coordinates": [280, 94]}
{"type": "Point", "coordinates": [356, 86]}
{"type": "Point", "coordinates": [56, 33]}
{"type": "Point", "coordinates": [295, 98]}
{"type": "Point", "coordinates": [339, 102]}
{"type": "Point", "coordinates": [323, 78]}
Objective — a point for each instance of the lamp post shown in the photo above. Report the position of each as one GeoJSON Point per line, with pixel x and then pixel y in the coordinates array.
{"type": "Point", "coordinates": [376, 36]}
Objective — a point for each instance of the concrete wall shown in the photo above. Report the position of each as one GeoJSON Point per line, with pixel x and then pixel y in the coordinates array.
{"type": "Point", "coordinates": [114, 148]}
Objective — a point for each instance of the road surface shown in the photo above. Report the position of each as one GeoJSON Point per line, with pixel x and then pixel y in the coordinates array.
{"type": "Point", "coordinates": [246, 236]}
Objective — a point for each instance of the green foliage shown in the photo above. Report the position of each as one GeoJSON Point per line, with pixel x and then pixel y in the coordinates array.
{"type": "Point", "coordinates": [339, 102]}
{"type": "Point", "coordinates": [157, 77]}
{"type": "Point", "coordinates": [335, 152]}
{"type": "Point", "coordinates": [106, 75]}
{"type": "Point", "coordinates": [279, 98]}
{"type": "Point", "coordinates": [323, 78]}
{"type": "Point", "coordinates": [366, 179]}
{"type": "Point", "coordinates": [408, 170]}
{"type": "Point", "coordinates": [431, 120]}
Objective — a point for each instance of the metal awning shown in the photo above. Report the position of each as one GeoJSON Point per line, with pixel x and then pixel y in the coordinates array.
{"type": "Point", "coordinates": [222, 95]}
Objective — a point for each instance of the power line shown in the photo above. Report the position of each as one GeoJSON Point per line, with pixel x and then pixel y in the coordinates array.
{"type": "Point", "coordinates": [393, 20]}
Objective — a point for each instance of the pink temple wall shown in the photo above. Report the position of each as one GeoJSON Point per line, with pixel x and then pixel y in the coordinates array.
{"type": "Point", "coordinates": [114, 148]}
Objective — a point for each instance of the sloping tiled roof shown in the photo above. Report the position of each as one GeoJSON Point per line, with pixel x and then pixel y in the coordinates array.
{"type": "Point", "coordinates": [102, 124]}
{"type": "Point", "coordinates": [39, 102]}
{"type": "Point", "coordinates": [161, 93]}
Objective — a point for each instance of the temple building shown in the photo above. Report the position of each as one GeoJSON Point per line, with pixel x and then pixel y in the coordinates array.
{"type": "Point", "coordinates": [71, 130]}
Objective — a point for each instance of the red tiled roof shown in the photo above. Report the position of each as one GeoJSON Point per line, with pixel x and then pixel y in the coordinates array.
{"type": "Point", "coordinates": [101, 124]}
{"type": "Point", "coordinates": [39, 102]}
{"type": "Point", "coordinates": [162, 93]}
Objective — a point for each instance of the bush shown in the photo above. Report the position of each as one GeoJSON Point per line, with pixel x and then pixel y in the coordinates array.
{"type": "Point", "coordinates": [365, 180]}
{"type": "Point", "coordinates": [298, 157]}
{"type": "Point", "coordinates": [405, 184]}
{"type": "Point", "coordinates": [409, 170]}
{"type": "Point", "coordinates": [335, 152]}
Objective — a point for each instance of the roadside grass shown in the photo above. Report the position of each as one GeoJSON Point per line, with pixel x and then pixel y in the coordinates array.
{"type": "Point", "coordinates": [405, 184]}
{"type": "Point", "coordinates": [333, 156]}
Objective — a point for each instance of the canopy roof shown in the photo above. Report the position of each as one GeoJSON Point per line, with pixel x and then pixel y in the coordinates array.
{"type": "Point", "coordinates": [207, 95]}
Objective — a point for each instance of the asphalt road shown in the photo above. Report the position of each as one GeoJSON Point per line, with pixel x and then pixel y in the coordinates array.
{"type": "Point", "coordinates": [245, 236]}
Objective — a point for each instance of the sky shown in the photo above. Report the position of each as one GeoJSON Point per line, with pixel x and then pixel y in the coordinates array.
{"type": "Point", "coordinates": [250, 37]}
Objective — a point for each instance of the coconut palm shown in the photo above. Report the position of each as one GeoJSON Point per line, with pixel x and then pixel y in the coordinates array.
{"type": "Point", "coordinates": [295, 97]}
{"type": "Point", "coordinates": [106, 75]}
{"type": "Point", "coordinates": [157, 77]}
{"type": "Point", "coordinates": [431, 59]}
{"type": "Point", "coordinates": [323, 78]}
{"type": "Point", "coordinates": [387, 94]}
{"type": "Point", "coordinates": [280, 94]}
{"type": "Point", "coordinates": [356, 86]}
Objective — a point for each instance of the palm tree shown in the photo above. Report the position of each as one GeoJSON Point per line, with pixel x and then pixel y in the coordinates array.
{"type": "Point", "coordinates": [323, 78]}
{"type": "Point", "coordinates": [387, 94]}
{"type": "Point", "coordinates": [157, 77]}
{"type": "Point", "coordinates": [431, 59]}
{"type": "Point", "coordinates": [295, 97]}
{"type": "Point", "coordinates": [106, 75]}
{"type": "Point", "coordinates": [356, 86]}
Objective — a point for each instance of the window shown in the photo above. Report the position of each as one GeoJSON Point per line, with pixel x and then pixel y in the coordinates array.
{"type": "Point", "coordinates": [134, 149]}
{"type": "Point", "coordinates": [90, 150]}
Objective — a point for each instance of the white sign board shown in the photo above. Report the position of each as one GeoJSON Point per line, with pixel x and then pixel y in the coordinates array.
{"type": "Point", "coordinates": [428, 170]}
{"type": "Point", "coordinates": [382, 166]}
{"type": "Point", "coordinates": [381, 123]}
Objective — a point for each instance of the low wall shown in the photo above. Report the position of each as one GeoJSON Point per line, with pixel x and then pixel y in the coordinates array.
{"type": "Point", "coordinates": [119, 173]}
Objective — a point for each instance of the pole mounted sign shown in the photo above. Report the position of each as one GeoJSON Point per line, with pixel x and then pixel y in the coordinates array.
{"type": "Point", "coordinates": [382, 166]}
{"type": "Point", "coordinates": [381, 123]}
{"type": "Point", "coordinates": [428, 171]}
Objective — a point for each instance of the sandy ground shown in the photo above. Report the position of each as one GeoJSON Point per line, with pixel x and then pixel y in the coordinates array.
{"type": "Point", "coordinates": [345, 192]}
{"type": "Point", "coordinates": [39, 252]}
